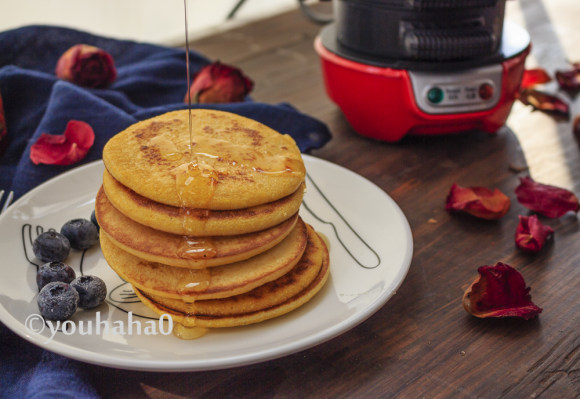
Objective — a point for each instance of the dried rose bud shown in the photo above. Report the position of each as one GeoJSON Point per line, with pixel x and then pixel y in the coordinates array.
{"type": "Point", "coordinates": [547, 200]}
{"type": "Point", "coordinates": [219, 83]}
{"type": "Point", "coordinates": [3, 131]}
{"type": "Point", "coordinates": [534, 77]}
{"type": "Point", "coordinates": [480, 202]}
{"type": "Point", "coordinates": [87, 66]}
{"type": "Point", "coordinates": [531, 234]}
{"type": "Point", "coordinates": [569, 80]}
{"type": "Point", "coordinates": [544, 102]}
{"type": "Point", "coordinates": [499, 291]}
{"type": "Point", "coordinates": [63, 149]}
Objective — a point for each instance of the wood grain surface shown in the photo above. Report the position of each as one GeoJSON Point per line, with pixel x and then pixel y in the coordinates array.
{"type": "Point", "coordinates": [422, 343]}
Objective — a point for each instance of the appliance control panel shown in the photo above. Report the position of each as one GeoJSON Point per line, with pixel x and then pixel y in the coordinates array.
{"type": "Point", "coordinates": [454, 92]}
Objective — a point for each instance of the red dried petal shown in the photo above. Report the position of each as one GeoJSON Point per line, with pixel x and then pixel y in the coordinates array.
{"type": "Point", "coordinates": [3, 131]}
{"type": "Point", "coordinates": [547, 200]}
{"type": "Point", "coordinates": [219, 83]}
{"type": "Point", "coordinates": [499, 291]}
{"type": "Point", "coordinates": [480, 202]}
{"type": "Point", "coordinates": [569, 80]}
{"type": "Point", "coordinates": [531, 234]}
{"type": "Point", "coordinates": [533, 77]}
{"type": "Point", "coordinates": [576, 126]}
{"type": "Point", "coordinates": [63, 149]}
{"type": "Point", "coordinates": [87, 66]}
{"type": "Point", "coordinates": [544, 102]}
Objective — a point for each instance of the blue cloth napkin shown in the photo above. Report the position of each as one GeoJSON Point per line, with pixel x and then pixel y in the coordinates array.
{"type": "Point", "coordinates": [151, 80]}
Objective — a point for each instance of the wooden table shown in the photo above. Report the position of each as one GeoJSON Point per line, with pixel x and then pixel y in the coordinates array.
{"type": "Point", "coordinates": [422, 343]}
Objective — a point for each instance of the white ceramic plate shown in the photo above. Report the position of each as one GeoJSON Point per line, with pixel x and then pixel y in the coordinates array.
{"type": "Point", "coordinates": [370, 253]}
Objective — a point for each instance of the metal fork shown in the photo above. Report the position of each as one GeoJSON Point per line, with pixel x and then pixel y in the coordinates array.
{"type": "Point", "coordinates": [8, 200]}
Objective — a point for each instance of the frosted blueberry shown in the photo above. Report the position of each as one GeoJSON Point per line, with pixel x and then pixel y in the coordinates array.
{"type": "Point", "coordinates": [94, 220]}
{"type": "Point", "coordinates": [57, 301]}
{"type": "Point", "coordinates": [51, 246]}
{"type": "Point", "coordinates": [92, 291]}
{"type": "Point", "coordinates": [81, 233]}
{"type": "Point", "coordinates": [54, 271]}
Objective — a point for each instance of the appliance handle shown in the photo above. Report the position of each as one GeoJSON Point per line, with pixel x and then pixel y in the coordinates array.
{"type": "Point", "coordinates": [315, 16]}
{"type": "Point", "coordinates": [448, 4]}
{"type": "Point", "coordinates": [431, 44]}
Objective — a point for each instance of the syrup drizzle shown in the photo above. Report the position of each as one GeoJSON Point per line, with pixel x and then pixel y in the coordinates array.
{"type": "Point", "coordinates": [197, 248]}
{"type": "Point", "coordinates": [197, 178]}
{"type": "Point", "coordinates": [188, 72]}
{"type": "Point", "coordinates": [196, 281]}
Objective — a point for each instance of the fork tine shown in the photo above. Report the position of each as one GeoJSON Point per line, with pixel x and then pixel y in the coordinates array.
{"type": "Point", "coordinates": [1, 194]}
{"type": "Point", "coordinates": [8, 200]}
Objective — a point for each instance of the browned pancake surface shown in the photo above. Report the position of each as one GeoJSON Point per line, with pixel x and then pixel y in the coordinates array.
{"type": "Point", "coordinates": [216, 282]}
{"type": "Point", "coordinates": [229, 161]}
{"type": "Point", "coordinates": [265, 302]}
{"type": "Point", "coordinates": [199, 222]}
{"type": "Point", "coordinates": [184, 251]}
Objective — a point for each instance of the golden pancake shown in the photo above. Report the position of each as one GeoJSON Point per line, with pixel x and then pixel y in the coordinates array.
{"type": "Point", "coordinates": [216, 282]}
{"type": "Point", "coordinates": [200, 222]}
{"type": "Point", "coordinates": [262, 303]}
{"type": "Point", "coordinates": [184, 251]}
{"type": "Point", "coordinates": [231, 162]}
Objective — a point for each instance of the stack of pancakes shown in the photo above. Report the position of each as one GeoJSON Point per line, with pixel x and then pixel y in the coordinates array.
{"type": "Point", "coordinates": [206, 227]}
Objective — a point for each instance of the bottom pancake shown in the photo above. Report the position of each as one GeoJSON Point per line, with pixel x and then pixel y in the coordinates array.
{"type": "Point", "coordinates": [270, 300]}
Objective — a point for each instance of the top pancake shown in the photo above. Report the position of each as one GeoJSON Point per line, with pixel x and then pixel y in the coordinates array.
{"type": "Point", "coordinates": [232, 162]}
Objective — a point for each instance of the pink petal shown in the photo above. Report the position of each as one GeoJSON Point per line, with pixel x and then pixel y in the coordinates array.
{"type": "Point", "coordinates": [531, 234]}
{"type": "Point", "coordinates": [64, 149]}
{"type": "Point", "coordinates": [499, 291]}
{"type": "Point", "coordinates": [480, 202]}
{"type": "Point", "coordinates": [547, 200]}
{"type": "Point", "coordinates": [545, 102]}
{"type": "Point", "coordinates": [533, 77]}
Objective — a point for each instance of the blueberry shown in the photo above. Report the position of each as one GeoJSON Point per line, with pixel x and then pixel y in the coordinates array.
{"type": "Point", "coordinates": [94, 220]}
{"type": "Point", "coordinates": [82, 233]}
{"type": "Point", "coordinates": [92, 291]}
{"type": "Point", "coordinates": [57, 301]}
{"type": "Point", "coordinates": [51, 246]}
{"type": "Point", "coordinates": [54, 271]}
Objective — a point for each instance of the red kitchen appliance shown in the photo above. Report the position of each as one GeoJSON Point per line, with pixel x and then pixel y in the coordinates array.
{"type": "Point", "coordinates": [397, 67]}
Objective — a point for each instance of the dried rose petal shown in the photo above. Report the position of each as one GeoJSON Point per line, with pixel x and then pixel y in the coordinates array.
{"type": "Point", "coordinates": [547, 200]}
{"type": "Point", "coordinates": [569, 80]}
{"type": "Point", "coordinates": [534, 77]}
{"type": "Point", "coordinates": [531, 234]}
{"type": "Point", "coordinates": [480, 202]}
{"type": "Point", "coordinates": [576, 126]}
{"type": "Point", "coordinates": [86, 66]}
{"type": "Point", "coordinates": [499, 291]}
{"type": "Point", "coordinates": [63, 149]}
{"type": "Point", "coordinates": [219, 83]}
{"type": "Point", "coordinates": [544, 102]}
{"type": "Point", "coordinates": [3, 131]}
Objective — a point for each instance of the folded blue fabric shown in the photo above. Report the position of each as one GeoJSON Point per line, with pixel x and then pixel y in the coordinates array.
{"type": "Point", "coordinates": [151, 80]}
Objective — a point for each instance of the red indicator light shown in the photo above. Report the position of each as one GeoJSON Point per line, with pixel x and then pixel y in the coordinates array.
{"type": "Point", "coordinates": [486, 91]}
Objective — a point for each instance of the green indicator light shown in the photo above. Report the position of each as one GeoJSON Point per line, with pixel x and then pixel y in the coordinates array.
{"type": "Point", "coordinates": [435, 95]}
